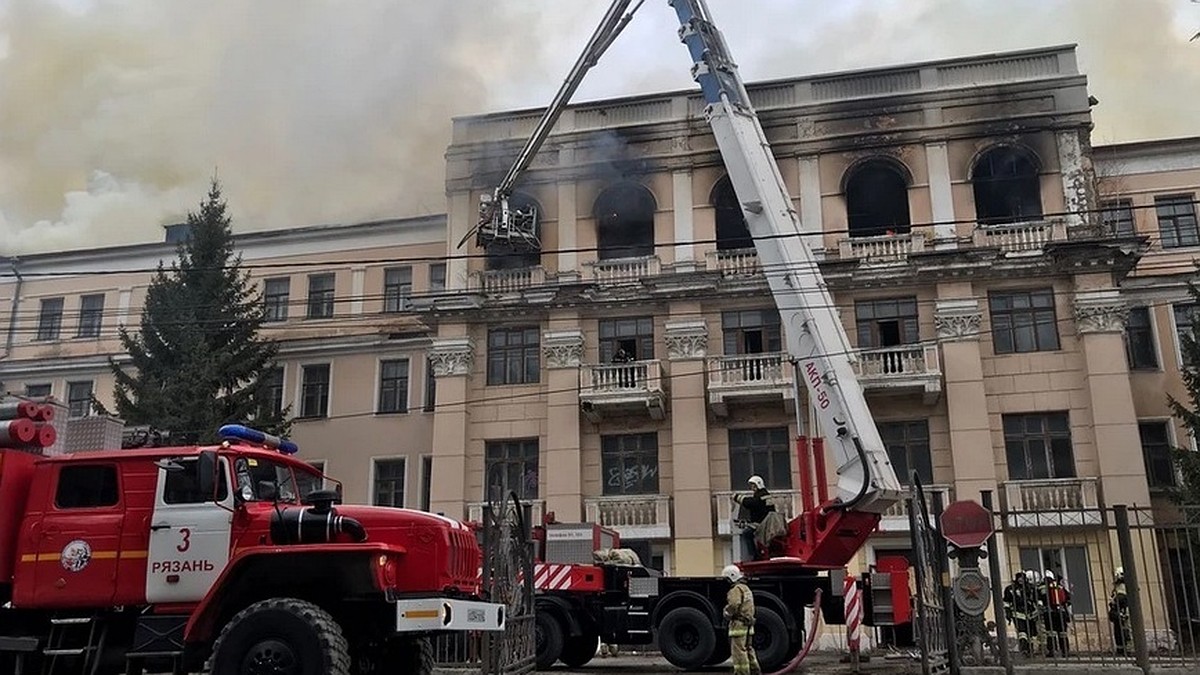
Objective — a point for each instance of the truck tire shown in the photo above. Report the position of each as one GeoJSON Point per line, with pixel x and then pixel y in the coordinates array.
{"type": "Point", "coordinates": [281, 635]}
{"type": "Point", "coordinates": [720, 652]}
{"type": "Point", "coordinates": [579, 649]}
{"type": "Point", "coordinates": [414, 656]}
{"type": "Point", "coordinates": [686, 637]}
{"type": "Point", "coordinates": [548, 639]}
{"type": "Point", "coordinates": [771, 640]}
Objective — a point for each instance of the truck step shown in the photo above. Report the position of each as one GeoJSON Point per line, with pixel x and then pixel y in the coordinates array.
{"type": "Point", "coordinates": [68, 652]}
{"type": "Point", "coordinates": [71, 620]}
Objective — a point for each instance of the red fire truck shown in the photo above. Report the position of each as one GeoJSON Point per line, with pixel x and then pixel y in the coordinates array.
{"type": "Point", "coordinates": [233, 559]}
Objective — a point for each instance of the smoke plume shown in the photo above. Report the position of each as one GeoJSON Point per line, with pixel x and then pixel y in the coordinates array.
{"type": "Point", "coordinates": [114, 114]}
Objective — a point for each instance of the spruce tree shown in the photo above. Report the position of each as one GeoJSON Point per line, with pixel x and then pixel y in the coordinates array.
{"type": "Point", "coordinates": [1186, 460]}
{"type": "Point", "coordinates": [197, 360]}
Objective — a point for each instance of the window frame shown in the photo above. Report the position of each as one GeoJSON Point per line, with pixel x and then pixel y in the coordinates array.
{"type": "Point", "coordinates": [615, 454]}
{"type": "Point", "coordinates": [612, 332]}
{"type": "Point", "coordinates": [385, 385]}
{"type": "Point", "coordinates": [426, 482]}
{"type": "Point", "coordinates": [735, 324]}
{"type": "Point", "coordinates": [529, 356]}
{"type": "Point", "coordinates": [1116, 212]}
{"type": "Point", "coordinates": [304, 386]}
{"type": "Point", "coordinates": [71, 401]}
{"type": "Point", "coordinates": [320, 304]}
{"type": "Point", "coordinates": [1047, 436]}
{"type": "Point", "coordinates": [275, 303]}
{"type": "Point", "coordinates": [274, 389]}
{"type": "Point", "coordinates": [1064, 573]}
{"type": "Point", "coordinates": [49, 326]}
{"type": "Point", "coordinates": [526, 460]}
{"type": "Point", "coordinates": [429, 404]}
{"type": "Point", "coordinates": [397, 289]}
{"type": "Point", "coordinates": [436, 286]}
{"type": "Point", "coordinates": [1151, 339]}
{"type": "Point", "coordinates": [1010, 313]}
{"type": "Point", "coordinates": [1171, 201]}
{"type": "Point", "coordinates": [909, 325]}
{"type": "Point", "coordinates": [911, 445]}
{"type": "Point", "coordinates": [1168, 445]}
{"type": "Point", "coordinates": [91, 319]}
{"type": "Point", "coordinates": [376, 463]}
{"type": "Point", "coordinates": [30, 393]}
{"type": "Point", "coordinates": [776, 449]}
{"type": "Point", "coordinates": [1187, 307]}
{"type": "Point", "coordinates": [73, 466]}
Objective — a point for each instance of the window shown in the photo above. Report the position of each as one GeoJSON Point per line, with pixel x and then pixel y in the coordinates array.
{"type": "Point", "coordinates": [625, 222]}
{"type": "Point", "coordinates": [1116, 215]}
{"type": "Point", "coordinates": [86, 486]}
{"type": "Point", "coordinates": [634, 337]}
{"type": "Point", "coordinates": [37, 390]}
{"type": "Point", "coordinates": [1070, 564]}
{"type": "Point", "coordinates": [393, 386]}
{"type": "Point", "coordinates": [389, 482]}
{"type": "Point", "coordinates": [1007, 187]}
{"type": "Point", "coordinates": [876, 200]}
{"type": "Point", "coordinates": [512, 466]}
{"type": "Point", "coordinates": [276, 294]}
{"type": "Point", "coordinates": [1139, 340]}
{"type": "Point", "coordinates": [886, 323]}
{"type": "Point", "coordinates": [430, 387]}
{"type": "Point", "coordinates": [629, 463]}
{"type": "Point", "coordinates": [79, 399]}
{"type": "Point", "coordinates": [1038, 445]}
{"type": "Point", "coordinates": [182, 487]}
{"type": "Point", "coordinates": [1184, 313]}
{"type": "Point", "coordinates": [320, 296]}
{"type": "Point", "coordinates": [762, 452]}
{"type": "Point", "coordinates": [513, 356]}
{"type": "Point", "coordinates": [91, 313]}
{"type": "Point", "coordinates": [437, 277]}
{"type": "Point", "coordinates": [397, 289]}
{"type": "Point", "coordinates": [751, 331]}
{"type": "Point", "coordinates": [732, 232]}
{"type": "Point", "coordinates": [426, 481]}
{"type": "Point", "coordinates": [314, 396]}
{"type": "Point", "coordinates": [907, 445]}
{"type": "Point", "coordinates": [1023, 321]}
{"type": "Point", "coordinates": [273, 382]}
{"type": "Point", "coordinates": [1156, 451]}
{"type": "Point", "coordinates": [1177, 221]}
{"type": "Point", "coordinates": [50, 319]}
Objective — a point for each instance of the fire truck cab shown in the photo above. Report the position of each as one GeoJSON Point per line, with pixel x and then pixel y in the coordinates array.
{"type": "Point", "coordinates": [233, 558]}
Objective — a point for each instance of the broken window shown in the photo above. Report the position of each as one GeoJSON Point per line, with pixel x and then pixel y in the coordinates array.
{"type": "Point", "coordinates": [511, 254]}
{"type": "Point", "coordinates": [876, 200]}
{"type": "Point", "coordinates": [1007, 187]}
{"type": "Point", "coordinates": [886, 323]}
{"type": "Point", "coordinates": [732, 233]}
{"type": "Point", "coordinates": [625, 222]}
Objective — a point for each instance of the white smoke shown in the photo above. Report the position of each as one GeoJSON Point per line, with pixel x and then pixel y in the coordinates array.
{"type": "Point", "coordinates": [114, 114]}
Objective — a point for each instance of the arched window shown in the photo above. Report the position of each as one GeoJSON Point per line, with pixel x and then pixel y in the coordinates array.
{"type": "Point", "coordinates": [503, 256]}
{"type": "Point", "coordinates": [876, 199]}
{"type": "Point", "coordinates": [732, 232]}
{"type": "Point", "coordinates": [1007, 188]}
{"type": "Point", "coordinates": [625, 221]}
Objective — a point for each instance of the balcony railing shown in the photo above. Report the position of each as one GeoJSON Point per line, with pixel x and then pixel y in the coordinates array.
{"type": "Point", "coordinates": [538, 510]}
{"type": "Point", "coordinates": [504, 282]}
{"type": "Point", "coordinates": [619, 271]}
{"type": "Point", "coordinates": [881, 249]}
{"type": "Point", "coordinates": [1054, 502]}
{"type": "Point", "coordinates": [632, 516]}
{"type": "Point", "coordinates": [748, 377]}
{"type": "Point", "coordinates": [1020, 238]}
{"type": "Point", "coordinates": [741, 262]}
{"type": "Point", "coordinates": [895, 519]}
{"type": "Point", "coordinates": [622, 387]}
{"type": "Point", "coordinates": [787, 502]}
{"type": "Point", "coordinates": [913, 367]}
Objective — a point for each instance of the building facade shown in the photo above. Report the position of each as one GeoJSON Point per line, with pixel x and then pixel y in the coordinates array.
{"type": "Point", "coordinates": [1012, 298]}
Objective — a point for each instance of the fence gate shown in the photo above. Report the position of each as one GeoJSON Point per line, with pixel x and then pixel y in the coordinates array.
{"type": "Point", "coordinates": [929, 566]}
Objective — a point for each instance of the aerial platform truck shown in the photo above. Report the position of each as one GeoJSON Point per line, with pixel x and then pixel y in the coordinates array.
{"type": "Point", "coordinates": [231, 559]}
{"type": "Point", "coordinates": [580, 604]}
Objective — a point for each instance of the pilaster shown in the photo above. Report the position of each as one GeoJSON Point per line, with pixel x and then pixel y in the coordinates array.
{"type": "Point", "coordinates": [1076, 172]}
{"type": "Point", "coordinates": [685, 234]}
{"type": "Point", "coordinates": [687, 347]}
{"type": "Point", "coordinates": [452, 360]}
{"type": "Point", "coordinates": [562, 352]}
{"type": "Point", "coordinates": [941, 199]}
{"type": "Point", "coordinates": [568, 258]}
{"type": "Point", "coordinates": [958, 321]}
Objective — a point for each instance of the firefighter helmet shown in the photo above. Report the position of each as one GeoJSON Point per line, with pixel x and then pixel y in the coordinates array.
{"type": "Point", "coordinates": [756, 481]}
{"type": "Point", "coordinates": [733, 573]}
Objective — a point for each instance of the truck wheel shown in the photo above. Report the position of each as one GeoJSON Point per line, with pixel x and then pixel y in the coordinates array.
{"type": "Point", "coordinates": [281, 635]}
{"type": "Point", "coordinates": [548, 634]}
{"type": "Point", "coordinates": [720, 653]}
{"type": "Point", "coordinates": [414, 656]}
{"type": "Point", "coordinates": [686, 637]}
{"type": "Point", "coordinates": [771, 640]}
{"type": "Point", "coordinates": [580, 649]}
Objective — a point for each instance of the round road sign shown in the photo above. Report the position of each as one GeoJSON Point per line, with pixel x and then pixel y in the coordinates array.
{"type": "Point", "coordinates": [966, 524]}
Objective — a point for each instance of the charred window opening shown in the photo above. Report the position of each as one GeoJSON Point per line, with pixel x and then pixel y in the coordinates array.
{"type": "Point", "coordinates": [625, 222]}
{"type": "Point", "coordinates": [503, 255]}
{"type": "Point", "coordinates": [732, 232]}
{"type": "Point", "coordinates": [876, 200]}
{"type": "Point", "coordinates": [1007, 187]}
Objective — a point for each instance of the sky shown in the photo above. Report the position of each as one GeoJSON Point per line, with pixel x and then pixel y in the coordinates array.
{"type": "Point", "coordinates": [115, 114]}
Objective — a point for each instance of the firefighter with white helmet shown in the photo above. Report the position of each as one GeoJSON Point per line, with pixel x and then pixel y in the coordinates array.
{"type": "Point", "coordinates": [739, 612]}
{"type": "Point", "coordinates": [1118, 614]}
{"type": "Point", "coordinates": [757, 505]}
{"type": "Point", "coordinates": [1056, 600]}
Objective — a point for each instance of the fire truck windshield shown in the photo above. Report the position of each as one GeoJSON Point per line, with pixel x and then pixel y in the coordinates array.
{"type": "Point", "coordinates": [261, 479]}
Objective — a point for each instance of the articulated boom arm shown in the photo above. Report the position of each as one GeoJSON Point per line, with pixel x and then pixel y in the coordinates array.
{"type": "Point", "coordinates": [816, 341]}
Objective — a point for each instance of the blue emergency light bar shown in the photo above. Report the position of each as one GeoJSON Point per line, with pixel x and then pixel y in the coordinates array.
{"type": "Point", "coordinates": [240, 432]}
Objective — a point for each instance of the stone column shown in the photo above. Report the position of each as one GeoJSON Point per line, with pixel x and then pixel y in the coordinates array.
{"type": "Point", "coordinates": [958, 321]}
{"type": "Point", "coordinates": [941, 199]}
{"type": "Point", "coordinates": [1075, 168]}
{"type": "Point", "coordinates": [563, 353]}
{"type": "Point", "coordinates": [1100, 319]}
{"type": "Point", "coordinates": [685, 231]}
{"type": "Point", "coordinates": [687, 347]}
{"type": "Point", "coordinates": [452, 360]}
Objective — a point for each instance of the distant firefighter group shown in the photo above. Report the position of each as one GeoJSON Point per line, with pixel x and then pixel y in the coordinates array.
{"type": "Point", "coordinates": [25, 425]}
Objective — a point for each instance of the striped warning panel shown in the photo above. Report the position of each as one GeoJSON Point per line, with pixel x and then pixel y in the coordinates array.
{"type": "Point", "coordinates": [552, 577]}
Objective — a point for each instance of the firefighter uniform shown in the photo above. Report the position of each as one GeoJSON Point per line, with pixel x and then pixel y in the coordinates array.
{"type": "Point", "coordinates": [739, 611]}
{"type": "Point", "coordinates": [1020, 609]}
{"type": "Point", "coordinates": [1118, 615]}
{"type": "Point", "coordinates": [1056, 602]}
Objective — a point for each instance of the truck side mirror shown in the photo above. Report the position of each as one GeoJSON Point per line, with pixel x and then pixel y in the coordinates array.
{"type": "Point", "coordinates": [206, 474]}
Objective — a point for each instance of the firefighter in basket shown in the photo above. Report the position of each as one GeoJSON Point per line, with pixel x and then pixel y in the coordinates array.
{"type": "Point", "coordinates": [761, 522]}
{"type": "Point", "coordinates": [739, 612]}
